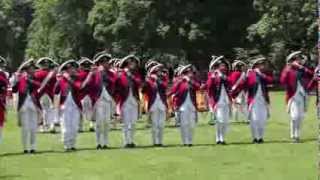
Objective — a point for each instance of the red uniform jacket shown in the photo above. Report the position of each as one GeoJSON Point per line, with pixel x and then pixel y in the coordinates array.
{"type": "Point", "coordinates": [290, 76]}
{"type": "Point", "coordinates": [234, 77]}
{"type": "Point", "coordinates": [122, 86]}
{"type": "Point", "coordinates": [250, 84]}
{"type": "Point", "coordinates": [100, 79]}
{"type": "Point", "coordinates": [26, 85]}
{"type": "Point", "coordinates": [40, 75]}
{"type": "Point", "coordinates": [64, 86]}
{"type": "Point", "coordinates": [4, 82]}
{"type": "Point", "coordinates": [312, 85]}
{"type": "Point", "coordinates": [214, 85]}
{"type": "Point", "coordinates": [179, 91]}
{"type": "Point", "coordinates": [152, 87]}
{"type": "Point", "coordinates": [81, 76]}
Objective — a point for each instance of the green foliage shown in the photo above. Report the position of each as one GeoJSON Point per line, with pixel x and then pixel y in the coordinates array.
{"type": "Point", "coordinates": [15, 16]}
{"type": "Point", "coordinates": [284, 26]}
{"type": "Point", "coordinates": [190, 30]}
{"type": "Point", "coordinates": [168, 30]}
{"type": "Point", "coordinates": [59, 29]}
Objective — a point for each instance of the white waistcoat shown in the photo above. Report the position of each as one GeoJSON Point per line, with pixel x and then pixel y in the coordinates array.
{"type": "Point", "coordinates": [187, 104]}
{"type": "Point", "coordinates": [157, 104]}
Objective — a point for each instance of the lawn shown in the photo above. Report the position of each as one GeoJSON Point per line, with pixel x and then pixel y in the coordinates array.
{"type": "Point", "coordinates": [277, 159]}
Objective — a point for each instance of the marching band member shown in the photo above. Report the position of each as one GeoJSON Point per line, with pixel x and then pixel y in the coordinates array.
{"type": "Point", "coordinates": [176, 77]}
{"type": "Point", "coordinates": [149, 64]}
{"type": "Point", "coordinates": [218, 86]}
{"type": "Point", "coordinates": [127, 90]}
{"type": "Point", "coordinates": [239, 102]}
{"type": "Point", "coordinates": [256, 84]}
{"type": "Point", "coordinates": [155, 91]}
{"type": "Point", "coordinates": [84, 74]}
{"type": "Point", "coordinates": [68, 88]}
{"type": "Point", "coordinates": [212, 67]}
{"type": "Point", "coordinates": [114, 113]}
{"type": "Point", "coordinates": [102, 91]}
{"type": "Point", "coordinates": [184, 90]}
{"type": "Point", "coordinates": [294, 78]}
{"type": "Point", "coordinates": [46, 76]}
{"type": "Point", "coordinates": [4, 83]}
{"type": "Point", "coordinates": [28, 105]}
{"type": "Point", "coordinates": [313, 84]}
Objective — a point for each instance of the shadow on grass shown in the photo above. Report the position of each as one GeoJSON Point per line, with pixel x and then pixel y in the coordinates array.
{"type": "Point", "coordinates": [141, 147]}
{"type": "Point", "coordinates": [10, 176]}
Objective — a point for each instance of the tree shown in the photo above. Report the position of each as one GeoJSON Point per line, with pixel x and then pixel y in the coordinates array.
{"type": "Point", "coordinates": [284, 26]}
{"type": "Point", "coordinates": [189, 30]}
{"type": "Point", "coordinates": [15, 17]}
{"type": "Point", "coordinates": [59, 30]}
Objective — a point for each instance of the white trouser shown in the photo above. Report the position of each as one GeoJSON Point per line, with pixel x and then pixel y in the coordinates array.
{"type": "Point", "coordinates": [296, 113]}
{"type": "Point", "coordinates": [258, 117]}
{"type": "Point", "coordinates": [129, 117]}
{"type": "Point", "coordinates": [222, 118]}
{"type": "Point", "coordinates": [102, 115]}
{"type": "Point", "coordinates": [86, 112]}
{"type": "Point", "coordinates": [187, 124]}
{"type": "Point", "coordinates": [240, 109]}
{"type": "Point", "coordinates": [70, 116]}
{"type": "Point", "coordinates": [48, 112]}
{"type": "Point", "coordinates": [28, 117]}
{"type": "Point", "coordinates": [158, 117]}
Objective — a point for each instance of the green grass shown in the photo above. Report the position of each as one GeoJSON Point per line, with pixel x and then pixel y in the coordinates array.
{"type": "Point", "coordinates": [277, 159]}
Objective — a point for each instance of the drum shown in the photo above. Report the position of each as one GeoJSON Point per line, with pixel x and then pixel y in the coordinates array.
{"type": "Point", "coordinates": [202, 102]}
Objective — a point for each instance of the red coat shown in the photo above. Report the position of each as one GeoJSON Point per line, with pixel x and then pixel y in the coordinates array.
{"type": "Point", "coordinates": [250, 84]}
{"type": "Point", "coordinates": [234, 77]}
{"type": "Point", "coordinates": [4, 82]}
{"type": "Point", "coordinates": [179, 91]}
{"type": "Point", "coordinates": [289, 77]}
{"type": "Point", "coordinates": [64, 86]}
{"type": "Point", "coordinates": [152, 87]}
{"type": "Point", "coordinates": [214, 85]}
{"type": "Point", "coordinates": [40, 75]}
{"type": "Point", "coordinates": [26, 83]}
{"type": "Point", "coordinates": [122, 87]}
{"type": "Point", "coordinates": [312, 85]}
{"type": "Point", "coordinates": [100, 79]}
{"type": "Point", "coordinates": [81, 76]}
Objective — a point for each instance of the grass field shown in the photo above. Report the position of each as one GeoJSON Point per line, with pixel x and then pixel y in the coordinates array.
{"type": "Point", "coordinates": [277, 159]}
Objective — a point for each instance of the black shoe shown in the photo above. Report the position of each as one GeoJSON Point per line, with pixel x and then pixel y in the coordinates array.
{"type": "Point", "coordinates": [185, 144]}
{"type": "Point", "coordinates": [219, 142]}
{"type": "Point", "coordinates": [260, 141]}
{"type": "Point", "coordinates": [296, 140]}
{"type": "Point", "coordinates": [223, 143]}
{"type": "Point", "coordinates": [255, 141]}
{"type": "Point", "coordinates": [25, 151]}
{"type": "Point", "coordinates": [190, 145]}
{"type": "Point", "coordinates": [132, 145]}
{"type": "Point", "coordinates": [158, 145]}
{"type": "Point", "coordinates": [91, 129]}
{"type": "Point", "coordinates": [52, 131]}
{"type": "Point", "coordinates": [99, 146]}
{"type": "Point", "coordinates": [127, 146]}
{"type": "Point", "coordinates": [73, 149]}
{"type": "Point", "coordinates": [67, 150]}
{"type": "Point", "coordinates": [105, 147]}
{"type": "Point", "coordinates": [32, 151]}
